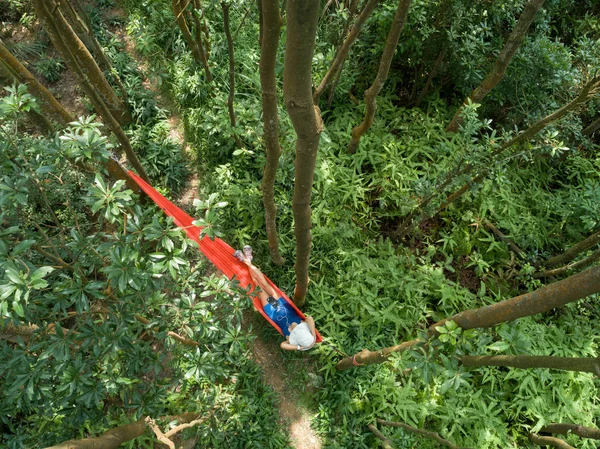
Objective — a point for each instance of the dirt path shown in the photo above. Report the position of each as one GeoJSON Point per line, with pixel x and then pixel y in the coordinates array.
{"type": "Point", "coordinates": [297, 418]}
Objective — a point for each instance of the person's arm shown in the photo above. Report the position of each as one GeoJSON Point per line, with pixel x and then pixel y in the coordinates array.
{"type": "Point", "coordinates": [311, 325]}
{"type": "Point", "coordinates": [288, 346]}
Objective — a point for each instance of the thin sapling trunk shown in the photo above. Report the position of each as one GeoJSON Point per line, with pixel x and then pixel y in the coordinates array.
{"type": "Point", "coordinates": [271, 27]}
{"type": "Point", "coordinates": [513, 42]}
{"type": "Point", "coordinates": [384, 67]}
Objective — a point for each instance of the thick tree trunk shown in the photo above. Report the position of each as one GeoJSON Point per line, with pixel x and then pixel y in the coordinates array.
{"type": "Point", "coordinates": [564, 429]}
{"type": "Point", "coordinates": [506, 54]}
{"type": "Point", "coordinates": [549, 441]}
{"type": "Point", "coordinates": [226, 25]}
{"type": "Point", "coordinates": [573, 252]}
{"type": "Point", "coordinates": [71, 48]}
{"type": "Point", "coordinates": [384, 67]}
{"type": "Point", "coordinates": [271, 27]}
{"type": "Point", "coordinates": [102, 109]}
{"type": "Point", "coordinates": [581, 364]}
{"type": "Point", "coordinates": [302, 17]}
{"type": "Point", "coordinates": [48, 103]}
{"type": "Point", "coordinates": [342, 53]}
{"type": "Point", "coordinates": [196, 46]}
{"type": "Point", "coordinates": [542, 300]}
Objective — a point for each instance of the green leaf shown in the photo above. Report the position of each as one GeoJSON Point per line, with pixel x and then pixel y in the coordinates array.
{"type": "Point", "coordinates": [41, 272]}
{"type": "Point", "coordinates": [17, 307]}
{"type": "Point", "coordinates": [6, 290]}
{"type": "Point", "coordinates": [22, 246]}
{"type": "Point", "coordinates": [499, 346]}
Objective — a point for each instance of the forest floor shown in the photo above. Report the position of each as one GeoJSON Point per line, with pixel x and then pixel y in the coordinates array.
{"type": "Point", "coordinates": [265, 351]}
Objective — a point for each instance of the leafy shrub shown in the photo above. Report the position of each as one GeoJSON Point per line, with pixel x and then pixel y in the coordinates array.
{"type": "Point", "coordinates": [49, 67]}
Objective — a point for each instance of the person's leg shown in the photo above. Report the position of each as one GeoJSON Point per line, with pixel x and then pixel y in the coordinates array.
{"type": "Point", "coordinates": [260, 280]}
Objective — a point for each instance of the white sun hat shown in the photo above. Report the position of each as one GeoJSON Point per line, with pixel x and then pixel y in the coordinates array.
{"type": "Point", "coordinates": [301, 336]}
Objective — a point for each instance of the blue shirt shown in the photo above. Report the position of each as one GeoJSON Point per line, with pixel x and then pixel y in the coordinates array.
{"type": "Point", "coordinates": [283, 316]}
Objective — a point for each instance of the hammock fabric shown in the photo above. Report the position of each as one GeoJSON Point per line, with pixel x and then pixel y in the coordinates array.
{"type": "Point", "coordinates": [217, 251]}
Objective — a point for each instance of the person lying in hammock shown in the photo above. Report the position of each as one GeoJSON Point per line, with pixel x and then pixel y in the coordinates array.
{"type": "Point", "coordinates": [300, 335]}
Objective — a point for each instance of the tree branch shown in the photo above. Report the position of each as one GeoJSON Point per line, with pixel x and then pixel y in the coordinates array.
{"type": "Point", "coordinates": [549, 441]}
{"type": "Point", "coordinates": [434, 435]}
{"type": "Point", "coordinates": [576, 429]}
{"type": "Point", "coordinates": [386, 443]}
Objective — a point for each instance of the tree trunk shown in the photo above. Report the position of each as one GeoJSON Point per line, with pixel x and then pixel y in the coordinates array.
{"type": "Point", "coordinates": [549, 441]}
{"type": "Point", "coordinates": [101, 108]}
{"type": "Point", "coordinates": [302, 17]}
{"type": "Point", "coordinates": [81, 24]}
{"type": "Point", "coordinates": [594, 257]}
{"type": "Point", "coordinates": [342, 53]}
{"type": "Point", "coordinates": [196, 46]}
{"type": "Point", "coordinates": [384, 67]}
{"type": "Point", "coordinates": [587, 92]}
{"type": "Point", "coordinates": [226, 25]}
{"type": "Point", "coordinates": [71, 48]}
{"type": "Point", "coordinates": [564, 429]}
{"type": "Point", "coordinates": [581, 364]}
{"type": "Point", "coordinates": [542, 300]}
{"type": "Point", "coordinates": [48, 103]}
{"type": "Point", "coordinates": [271, 27]}
{"type": "Point", "coordinates": [592, 128]}
{"type": "Point", "coordinates": [506, 54]}
{"type": "Point", "coordinates": [573, 252]}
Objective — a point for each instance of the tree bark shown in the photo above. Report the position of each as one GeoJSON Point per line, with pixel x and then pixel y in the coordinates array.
{"type": "Point", "coordinates": [581, 364]}
{"type": "Point", "coordinates": [48, 103]}
{"type": "Point", "coordinates": [573, 252]}
{"type": "Point", "coordinates": [226, 25]}
{"type": "Point", "coordinates": [386, 443]}
{"type": "Point", "coordinates": [384, 67]}
{"type": "Point", "coordinates": [564, 429]}
{"type": "Point", "coordinates": [592, 128]}
{"type": "Point", "coordinates": [73, 51]}
{"type": "Point", "coordinates": [302, 17]}
{"type": "Point", "coordinates": [271, 27]}
{"type": "Point", "coordinates": [542, 300]}
{"type": "Point", "coordinates": [340, 57]}
{"type": "Point", "coordinates": [549, 441]}
{"type": "Point", "coordinates": [196, 46]}
{"type": "Point", "coordinates": [81, 24]}
{"type": "Point", "coordinates": [594, 257]}
{"type": "Point", "coordinates": [47, 19]}
{"type": "Point", "coordinates": [113, 438]}
{"type": "Point", "coordinates": [506, 54]}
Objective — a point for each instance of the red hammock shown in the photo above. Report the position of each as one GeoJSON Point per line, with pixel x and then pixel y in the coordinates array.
{"type": "Point", "coordinates": [217, 251]}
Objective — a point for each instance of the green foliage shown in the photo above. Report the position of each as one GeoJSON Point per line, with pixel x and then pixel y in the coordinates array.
{"type": "Point", "coordinates": [91, 364]}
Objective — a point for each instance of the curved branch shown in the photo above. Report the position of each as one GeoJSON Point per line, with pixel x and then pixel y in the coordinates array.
{"type": "Point", "coordinates": [549, 441]}
{"type": "Point", "coordinates": [434, 435]}
{"type": "Point", "coordinates": [576, 429]}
